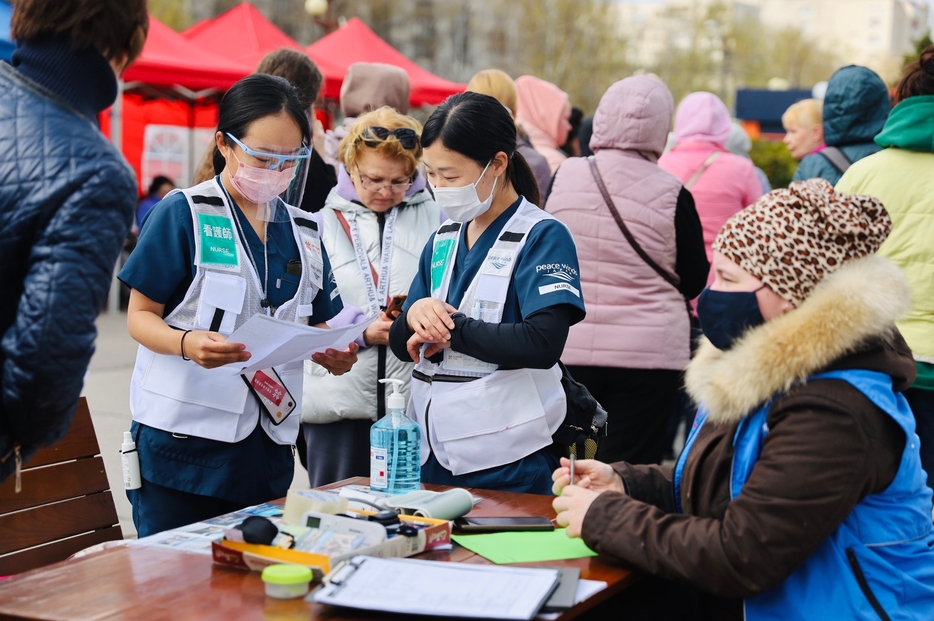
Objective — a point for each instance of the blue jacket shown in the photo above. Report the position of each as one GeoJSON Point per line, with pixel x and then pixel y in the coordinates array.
{"type": "Point", "coordinates": [67, 199]}
{"type": "Point", "coordinates": [879, 561]}
{"type": "Point", "coordinates": [855, 109]}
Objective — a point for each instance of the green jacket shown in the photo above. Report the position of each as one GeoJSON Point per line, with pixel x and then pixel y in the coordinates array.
{"type": "Point", "coordinates": [902, 177]}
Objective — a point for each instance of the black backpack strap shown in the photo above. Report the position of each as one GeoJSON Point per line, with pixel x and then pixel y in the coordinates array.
{"type": "Point", "coordinates": [837, 158]}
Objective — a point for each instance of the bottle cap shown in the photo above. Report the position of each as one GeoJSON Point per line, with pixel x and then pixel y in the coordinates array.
{"type": "Point", "coordinates": [396, 400]}
{"type": "Point", "coordinates": [286, 574]}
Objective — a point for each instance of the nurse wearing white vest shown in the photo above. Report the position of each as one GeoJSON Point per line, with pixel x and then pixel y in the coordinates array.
{"type": "Point", "coordinates": [208, 259]}
{"type": "Point", "coordinates": [374, 225]}
{"type": "Point", "coordinates": [488, 313]}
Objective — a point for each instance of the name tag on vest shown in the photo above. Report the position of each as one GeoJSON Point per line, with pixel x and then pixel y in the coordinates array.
{"type": "Point", "coordinates": [218, 245]}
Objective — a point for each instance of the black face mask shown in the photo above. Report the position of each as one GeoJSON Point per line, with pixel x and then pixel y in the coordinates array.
{"type": "Point", "coordinates": [726, 315]}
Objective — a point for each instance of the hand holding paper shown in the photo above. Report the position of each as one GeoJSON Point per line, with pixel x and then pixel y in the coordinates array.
{"type": "Point", "coordinates": [337, 362]}
{"type": "Point", "coordinates": [273, 342]}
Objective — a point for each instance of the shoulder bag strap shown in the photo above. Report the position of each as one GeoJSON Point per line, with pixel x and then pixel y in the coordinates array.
{"type": "Point", "coordinates": [700, 171]}
{"type": "Point", "coordinates": [624, 229]}
{"type": "Point", "coordinates": [837, 158]}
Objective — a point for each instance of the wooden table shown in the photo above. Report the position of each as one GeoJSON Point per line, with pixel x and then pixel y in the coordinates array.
{"type": "Point", "coordinates": [149, 583]}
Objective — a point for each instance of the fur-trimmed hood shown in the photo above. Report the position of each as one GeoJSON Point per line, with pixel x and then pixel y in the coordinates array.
{"type": "Point", "coordinates": [859, 301]}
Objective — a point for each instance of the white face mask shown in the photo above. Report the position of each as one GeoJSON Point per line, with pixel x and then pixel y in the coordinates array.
{"type": "Point", "coordinates": [463, 204]}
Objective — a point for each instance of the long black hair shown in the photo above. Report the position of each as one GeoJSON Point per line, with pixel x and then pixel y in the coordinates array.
{"type": "Point", "coordinates": [478, 126]}
{"type": "Point", "coordinates": [252, 98]}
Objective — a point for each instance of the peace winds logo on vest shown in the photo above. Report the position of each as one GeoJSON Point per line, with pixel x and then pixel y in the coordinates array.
{"type": "Point", "coordinates": [558, 271]}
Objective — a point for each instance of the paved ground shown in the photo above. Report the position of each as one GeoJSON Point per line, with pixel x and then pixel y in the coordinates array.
{"type": "Point", "coordinates": [107, 387]}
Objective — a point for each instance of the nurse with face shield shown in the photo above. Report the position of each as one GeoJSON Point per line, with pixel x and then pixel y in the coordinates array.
{"type": "Point", "coordinates": [209, 258]}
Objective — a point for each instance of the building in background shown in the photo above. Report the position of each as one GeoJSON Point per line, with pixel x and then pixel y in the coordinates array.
{"type": "Point", "coordinates": [873, 33]}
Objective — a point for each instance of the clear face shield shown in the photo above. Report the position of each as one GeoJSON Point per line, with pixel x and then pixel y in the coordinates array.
{"type": "Point", "coordinates": [271, 173]}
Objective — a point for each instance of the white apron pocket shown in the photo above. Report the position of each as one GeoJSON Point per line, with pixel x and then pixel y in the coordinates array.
{"type": "Point", "coordinates": [187, 382]}
{"type": "Point", "coordinates": [224, 294]}
{"type": "Point", "coordinates": [489, 422]}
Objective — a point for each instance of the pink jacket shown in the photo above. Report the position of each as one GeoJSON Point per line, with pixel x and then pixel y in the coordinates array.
{"type": "Point", "coordinates": [730, 183]}
{"type": "Point", "coordinates": [540, 112]}
{"type": "Point", "coordinates": [635, 319]}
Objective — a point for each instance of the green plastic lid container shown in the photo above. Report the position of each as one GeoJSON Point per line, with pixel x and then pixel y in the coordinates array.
{"type": "Point", "coordinates": [287, 574]}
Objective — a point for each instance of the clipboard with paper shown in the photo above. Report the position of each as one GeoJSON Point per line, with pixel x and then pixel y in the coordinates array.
{"type": "Point", "coordinates": [416, 587]}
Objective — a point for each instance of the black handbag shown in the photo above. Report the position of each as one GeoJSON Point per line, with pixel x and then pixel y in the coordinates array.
{"type": "Point", "coordinates": [580, 433]}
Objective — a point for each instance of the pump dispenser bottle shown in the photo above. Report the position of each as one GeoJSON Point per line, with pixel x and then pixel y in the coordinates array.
{"type": "Point", "coordinates": [395, 441]}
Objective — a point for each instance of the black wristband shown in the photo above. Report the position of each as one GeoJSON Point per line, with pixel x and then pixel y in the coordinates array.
{"type": "Point", "coordinates": [184, 357]}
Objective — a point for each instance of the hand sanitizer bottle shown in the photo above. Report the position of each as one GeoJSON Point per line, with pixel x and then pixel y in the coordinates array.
{"type": "Point", "coordinates": [395, 441]}
{"type": "Point", "coordinates": [130, 459]}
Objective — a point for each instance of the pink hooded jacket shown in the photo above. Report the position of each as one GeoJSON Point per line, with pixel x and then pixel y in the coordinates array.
{"type": "Point", "coordinates": [540, 112]}
{"type": "Point", "coordinates": [635, 319]}
{"type": "Point", "coordinates": [730, 183]}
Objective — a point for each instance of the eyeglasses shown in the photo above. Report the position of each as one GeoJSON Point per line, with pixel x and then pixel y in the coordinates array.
{"type": "Point", "coordinates": [373, 186]}
{"type": "Point", "coordinates": [408, 138]}
{"type": "Point", "coordinates": [274, 161]}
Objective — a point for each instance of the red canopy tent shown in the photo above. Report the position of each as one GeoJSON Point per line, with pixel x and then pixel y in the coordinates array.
{"type": "Point", "coordinates": [169, 59]}
{"type": "Point", "coordinates": [242, 34]}
{"type": "Point", "coordinates": [171, 83]}
{"type": "Point", "coordinates": [356, 43]}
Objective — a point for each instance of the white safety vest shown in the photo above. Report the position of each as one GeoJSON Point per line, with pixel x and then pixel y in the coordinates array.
{"type": "Point", "coordinates": [472, 415]}
{"type": "Point", "coordinates": [353, 395]}
{"type": "Point", "coordinates": [179, 396]}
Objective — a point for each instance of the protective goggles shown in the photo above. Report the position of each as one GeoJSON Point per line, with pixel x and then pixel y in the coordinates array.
{"type": "Point", "coordinates": [408, 138]}
{"type": "Point", "coordinates": [274, 161]}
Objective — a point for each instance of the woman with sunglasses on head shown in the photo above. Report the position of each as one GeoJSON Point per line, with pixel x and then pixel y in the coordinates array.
{"type": "Point", "coordinates": [209, 258]}
{"type": "Point", "coordinates": [374, 229]}
{"type": "Point", "coordinates": [497, 290]}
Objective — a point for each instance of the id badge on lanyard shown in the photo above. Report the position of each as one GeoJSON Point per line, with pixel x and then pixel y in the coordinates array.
{"type": "Point", "coordinates": [272, 394]}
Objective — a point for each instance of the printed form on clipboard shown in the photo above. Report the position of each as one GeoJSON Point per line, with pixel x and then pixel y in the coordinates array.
{"type": "Point", "coordinates": [443, 589]}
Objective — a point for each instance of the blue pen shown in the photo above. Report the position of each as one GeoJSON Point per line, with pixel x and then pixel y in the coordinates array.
{"type": "Point", "coordinates": [572, 468]}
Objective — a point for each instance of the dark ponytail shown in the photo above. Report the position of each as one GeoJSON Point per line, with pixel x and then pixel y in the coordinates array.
{"type": "Point", "coordinates": [918, 78]}
{"type": "Point", "coordinates": [478, 126]}
{"type": "Point", "coordinates": [252, 98]}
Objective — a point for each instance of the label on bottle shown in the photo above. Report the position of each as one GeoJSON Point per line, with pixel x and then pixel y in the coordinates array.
{"type": "Point", "coordinates": [379, 467]}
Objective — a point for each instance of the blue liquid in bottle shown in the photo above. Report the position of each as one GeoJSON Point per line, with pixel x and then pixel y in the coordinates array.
{"type": "Point", "coordinates": [395, 449]}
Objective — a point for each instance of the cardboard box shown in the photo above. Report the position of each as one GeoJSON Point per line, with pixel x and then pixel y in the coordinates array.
{"type": "Point", "coordinates": [432, 534]}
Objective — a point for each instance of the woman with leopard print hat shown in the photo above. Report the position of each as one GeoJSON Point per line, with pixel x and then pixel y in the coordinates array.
{"type": "Point", "coordinates": [800, 492]}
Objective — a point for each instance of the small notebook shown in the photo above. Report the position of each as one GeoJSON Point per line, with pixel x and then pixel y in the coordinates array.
{"type": "Point", "coordinates": [563, 597]}
{"type": "Point", "coordinates": [409, 586]}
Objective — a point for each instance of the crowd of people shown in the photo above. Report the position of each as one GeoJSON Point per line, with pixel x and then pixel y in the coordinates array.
{"type": "Point", "coordinates": [642, 247]}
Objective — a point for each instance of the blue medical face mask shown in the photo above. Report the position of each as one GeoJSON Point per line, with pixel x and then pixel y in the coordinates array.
{"type": "Point", "coordinates": [726, 315]}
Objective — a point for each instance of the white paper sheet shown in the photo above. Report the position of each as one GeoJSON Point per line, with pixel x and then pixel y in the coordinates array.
{"type": "Point", "coordinates": [273, 342]}
{"type": "Point", "coordinates": [444, 589]}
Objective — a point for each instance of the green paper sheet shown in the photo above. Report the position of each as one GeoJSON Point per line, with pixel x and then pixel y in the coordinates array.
{"type": "Point", "coordinates": [525, 547]}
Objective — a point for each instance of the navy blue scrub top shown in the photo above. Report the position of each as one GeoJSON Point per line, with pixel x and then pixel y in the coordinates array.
{"type": "Point", "coordinates": [548, 258]}
{"type": "Point", "coordinates": [161, 267]}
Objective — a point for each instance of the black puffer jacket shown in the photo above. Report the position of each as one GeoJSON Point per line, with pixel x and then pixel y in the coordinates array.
{"type": "Point", "coordinates": [67, 199]}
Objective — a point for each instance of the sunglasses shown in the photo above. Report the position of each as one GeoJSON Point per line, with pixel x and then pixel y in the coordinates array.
{"type": "Point", "coordinates": [408, 138]}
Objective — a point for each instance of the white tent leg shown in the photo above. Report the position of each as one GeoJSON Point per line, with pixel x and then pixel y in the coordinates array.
{"type": "Point", "coordinates": [116, 137]}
